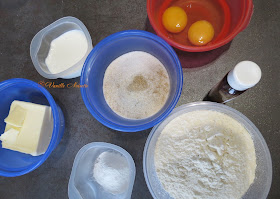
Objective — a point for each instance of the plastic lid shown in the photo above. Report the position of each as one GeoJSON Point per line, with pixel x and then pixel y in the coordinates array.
{"type": "Point", "coordinates": [245, 75]}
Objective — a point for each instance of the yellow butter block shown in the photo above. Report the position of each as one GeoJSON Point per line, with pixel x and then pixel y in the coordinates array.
{"type": "Point", "coordinates": [9, 137]}
{"type": "Point", "coordinates": [34, 124]}
{"type": "Point", "coordinates": [9, 126]}
{"type": "Point", "coordinates": [16, 116]}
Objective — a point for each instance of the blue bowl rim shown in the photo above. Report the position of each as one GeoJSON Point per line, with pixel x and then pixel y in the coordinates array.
{"type": "Point", "coordinates": [55, 113]}
{"type": "Point", "coordinates": [93, 55]}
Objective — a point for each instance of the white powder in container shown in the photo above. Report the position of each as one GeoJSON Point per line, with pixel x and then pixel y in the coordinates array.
{"type": "Point", "coordinates": [136, 85]}
{"type": "Point", "coordinates": [205, 154]}
{"type": "Point", "coordinates": [111, 171]}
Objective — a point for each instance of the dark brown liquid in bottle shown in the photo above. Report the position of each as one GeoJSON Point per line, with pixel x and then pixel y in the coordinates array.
{"type": "Point", "coordinates": [222, 92]}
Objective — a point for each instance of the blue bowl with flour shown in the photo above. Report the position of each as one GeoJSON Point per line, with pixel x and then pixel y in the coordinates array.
{"type": "Point", "coordinates": [13, 163]}
{"type": "Point", "coordinates": [108, 50]}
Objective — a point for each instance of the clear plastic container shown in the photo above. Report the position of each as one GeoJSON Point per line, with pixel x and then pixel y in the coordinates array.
{"type": "Point", "coordinates": [261, 185]}
{"type": "Point", "coordinates": [82, 184]}
{"type": "Point", "coordinates": [40, 46]}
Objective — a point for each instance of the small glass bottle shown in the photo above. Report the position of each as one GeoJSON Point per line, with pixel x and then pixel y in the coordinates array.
{"type": "Point", "coordinates": [243, 76]}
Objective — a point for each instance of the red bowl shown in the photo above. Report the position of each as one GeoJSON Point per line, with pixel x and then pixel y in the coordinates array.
{"type": "Point", "coordinates": [237, 16]}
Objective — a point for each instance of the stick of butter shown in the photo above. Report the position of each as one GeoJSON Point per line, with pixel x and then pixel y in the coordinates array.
{"type": "Point", "coordinates": [28, 129]}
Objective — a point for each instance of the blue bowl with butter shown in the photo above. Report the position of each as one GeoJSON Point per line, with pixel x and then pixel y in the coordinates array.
{"type": "Point", "coordinates": [28, 102]}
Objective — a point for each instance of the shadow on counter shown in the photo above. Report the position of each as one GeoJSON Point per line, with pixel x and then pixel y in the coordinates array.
{"type": "Point", "coordinates": [194, 60]}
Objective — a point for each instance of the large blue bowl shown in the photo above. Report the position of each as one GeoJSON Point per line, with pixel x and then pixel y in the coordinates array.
{"type": "Point", "coordinates": [14, 163]}
{"type": "Point", "coordinates": [109, 49]}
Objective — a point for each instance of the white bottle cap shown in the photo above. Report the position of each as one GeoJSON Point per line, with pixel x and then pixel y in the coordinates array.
{"type": "Point", "coordinates": [245, 74]}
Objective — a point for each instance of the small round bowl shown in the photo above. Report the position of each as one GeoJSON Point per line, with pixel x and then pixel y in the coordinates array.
{"type": "Point", "coordinates": [82, 183]}
{"type": "Point", "coordinates": [237, 16]}
{"type": "Point", "coordinates": [14, 163]}
{"type": "Point", "coordinates": [109, 49]}
{"type": "Point", "coordinates": [261, 185]}
{"type": "Point", "coordinates": [41, 43]}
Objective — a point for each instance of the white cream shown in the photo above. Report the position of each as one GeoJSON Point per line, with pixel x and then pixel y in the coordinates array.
{"type": "Point", "coordinates": [29, 128]}
{"type": "Point", "coordinates": [66, 50]}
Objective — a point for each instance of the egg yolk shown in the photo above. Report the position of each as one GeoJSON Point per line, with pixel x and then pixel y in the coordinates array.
{"type": "Point", "coordinates": [174, 19]}
{"type": "Point", "coordinates": [201, 33]}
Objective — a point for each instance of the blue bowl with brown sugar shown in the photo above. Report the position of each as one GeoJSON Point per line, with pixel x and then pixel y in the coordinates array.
{"type": "Point", "coordinates": [113, 47]}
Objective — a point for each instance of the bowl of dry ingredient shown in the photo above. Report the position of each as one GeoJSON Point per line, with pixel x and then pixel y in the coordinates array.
{"type": "Point", "coordinates": [134, 80]}
{"type": "Point", "coordinates": [102, 170]}
{"type": "Point", "coordinates": [207, 150]}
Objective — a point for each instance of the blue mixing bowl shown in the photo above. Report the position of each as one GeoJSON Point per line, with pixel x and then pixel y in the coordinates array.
{"type": "Point", "coordinates": [100, 58]}
{"type": "Point", "coordinates": [13, 163]}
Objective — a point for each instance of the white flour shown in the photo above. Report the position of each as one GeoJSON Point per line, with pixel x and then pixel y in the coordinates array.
{"type": "Point", "coordinates": [205, 154]}
{"type": "Point", "coordinates": [136, 85]}
{"type": "Point", "coordinates": [111, 171]}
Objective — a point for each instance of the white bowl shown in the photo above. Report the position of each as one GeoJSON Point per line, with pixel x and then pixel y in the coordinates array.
{"type": "Point", "coordinates": [261, 185]}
